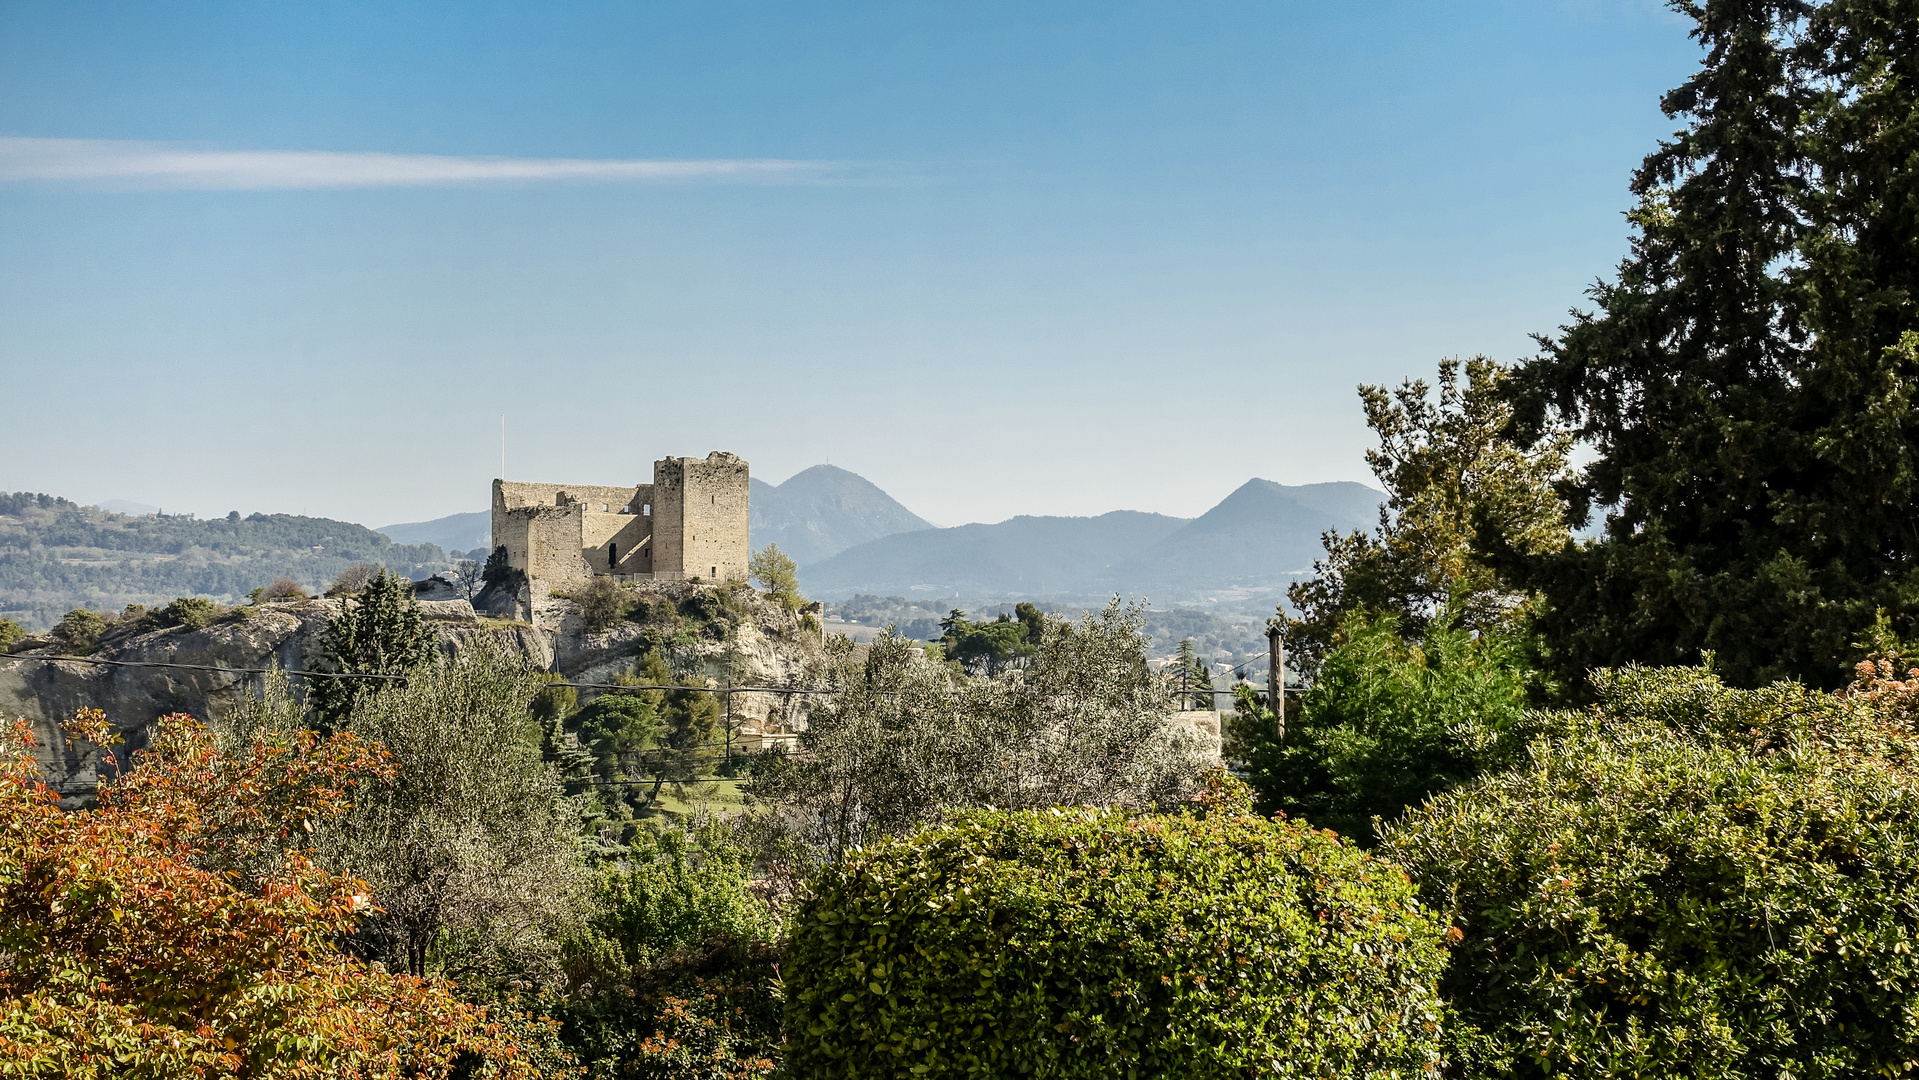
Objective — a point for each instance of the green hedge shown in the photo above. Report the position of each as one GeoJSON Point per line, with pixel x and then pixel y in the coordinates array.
{"type": "Point", "coordinates": [1689, 880]}
{"type": "Point", "coordinates": [1070, 943]}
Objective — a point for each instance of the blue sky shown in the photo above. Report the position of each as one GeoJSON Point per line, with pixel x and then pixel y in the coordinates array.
{"type": "Point", "coordinates": [998, 258]}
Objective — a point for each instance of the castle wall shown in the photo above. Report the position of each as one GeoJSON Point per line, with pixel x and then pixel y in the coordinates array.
{"type": "Point", "coordinates": [513, 494]}
{"type": "Point", "coordinates": [628, 533]}
{"type": "Point", "coordinates": [510, 532]}
{"type": "Point", "coordinates": [700, 518]}
{"type": "Point", "coordinates": [690, 522]}
{"type": "Point", "coordinates": [554, 554]}
{"type": "Point", "coordinates": [669, 518]}
{"type": "Point", "coordinates": [558, 533]}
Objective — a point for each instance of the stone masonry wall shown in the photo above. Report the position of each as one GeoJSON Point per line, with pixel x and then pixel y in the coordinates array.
{"type": "Point", "coordinates": [560, 532]}
{"type": "Point", "coordinates": [627, 535]}
{"type": "Point", "coordinates": [699, 525]}
{"type": "Point", "coordinates": [554, 554]}
{"type": "Point", "coordinates": [512, 494]}
{"type": "Point", "coordinates": [690, 522]}
{"type": "Point", "coordinates": [669, 518]}
{"type": "Point", "coordinates": [716, 520]}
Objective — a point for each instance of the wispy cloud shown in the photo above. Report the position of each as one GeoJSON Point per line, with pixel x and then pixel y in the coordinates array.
{"type": "Point", "coordinates": [120, 163]}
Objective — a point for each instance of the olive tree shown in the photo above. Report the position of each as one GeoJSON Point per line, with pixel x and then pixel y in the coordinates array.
{"type": "Point", "coordinates": [1087, 723]}
{"type": "Point", "coordinates": [472, 850]}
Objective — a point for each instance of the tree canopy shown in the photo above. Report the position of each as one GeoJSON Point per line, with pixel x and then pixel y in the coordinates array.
{"type": "Point", "coordinates": [1453, 485]}
{"type": "Point", "coordinates": [1745, 379]}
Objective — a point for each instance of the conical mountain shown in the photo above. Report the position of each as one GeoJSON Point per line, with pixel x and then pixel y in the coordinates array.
{"type": "Point", "coordinates": [822, 511]}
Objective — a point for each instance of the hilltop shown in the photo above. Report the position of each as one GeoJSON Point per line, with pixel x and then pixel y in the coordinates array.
{"type": "Point", "coordinates": [454, 533]}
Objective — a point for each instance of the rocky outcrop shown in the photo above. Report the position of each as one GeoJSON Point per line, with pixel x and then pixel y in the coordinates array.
{"type": "Point", "coordinates": [45, 691]}
{"type": "Point", "coordinates": [759, 644]}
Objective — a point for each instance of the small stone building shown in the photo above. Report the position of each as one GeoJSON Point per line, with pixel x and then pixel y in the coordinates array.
{"type": "Point", "coordinates": [690, 522]}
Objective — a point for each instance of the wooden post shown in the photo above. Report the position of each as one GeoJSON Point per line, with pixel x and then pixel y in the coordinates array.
{"type": "Point", "coordinates": [1276, 677]}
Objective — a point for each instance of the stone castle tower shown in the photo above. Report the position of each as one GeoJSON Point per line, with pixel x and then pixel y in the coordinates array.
{"type": "Point", "coordinates": [690, 522]}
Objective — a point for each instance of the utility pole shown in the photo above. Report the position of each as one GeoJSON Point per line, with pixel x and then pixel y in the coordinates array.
{"type": "Point", "coordinates": [1276, 677]}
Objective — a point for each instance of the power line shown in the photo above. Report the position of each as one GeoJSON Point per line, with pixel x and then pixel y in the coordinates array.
{"type": "Point", "coordinates": [663, 783]}
{"type": "Point", "coordinates": [399, 678]}
{"type": "Point", "coordinates": [722, 690]}
{"type": "Point", "coordinates": [702, 689]}
{"type": "Point", "coordinates": [196, 667]}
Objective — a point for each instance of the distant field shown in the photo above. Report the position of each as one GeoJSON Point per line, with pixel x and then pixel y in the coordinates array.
{"type": "Point", "coordinates": [723, 796]}
{"type": "Point", "coordinates": [856, 631]}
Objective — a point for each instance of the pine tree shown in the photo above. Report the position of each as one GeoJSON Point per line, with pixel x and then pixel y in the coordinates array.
{"type": "Point", "coordinates": [380, 633]}
{"type": "Point", "coordinates": [680, 727]}
{"type": "Point", "coordinates": [1745, 380]}
{"type": "Point", "coordinates": [1190, 675]}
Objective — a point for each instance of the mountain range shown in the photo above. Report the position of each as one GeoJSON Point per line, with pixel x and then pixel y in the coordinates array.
{"type": "Point", "coordinates": [848, 536]}
{"type": "Point", "coordinates": [851, 538]}
{"type": "Point", "coordinates": [1260, 537]}
{"type": "Point", "coordinates": [453, 533]}
{"type": "Point", "coordinates": [816, 513]}
{"type": "Point", "coordinates": [56, 555]}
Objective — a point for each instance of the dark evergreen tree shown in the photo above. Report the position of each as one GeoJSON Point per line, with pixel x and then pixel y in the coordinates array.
{"type": "Point", "coordinates": [379, 633]}
{"type": "Point", "coordinates": [1745, 380]}
{"type": "Point", "coordinates": [1188, 672]}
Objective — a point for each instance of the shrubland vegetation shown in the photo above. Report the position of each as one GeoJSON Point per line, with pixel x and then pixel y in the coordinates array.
{"type": "Point", "coordinates": [1637, 805]}
{"type": "Point", "coordinates": [149, 937]}
{"type": "Point", "coordinates": [1085, 723]}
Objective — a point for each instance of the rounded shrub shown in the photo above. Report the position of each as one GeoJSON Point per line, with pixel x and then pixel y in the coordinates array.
{"type": "Point", "coordinates": [79, 630]}
{"type": "Point", "coordinates": [1084, 942]}
{"type": "Point", "coordinates": [192, 612]}
{"type": "Point", "coordinates": [1689, 880]}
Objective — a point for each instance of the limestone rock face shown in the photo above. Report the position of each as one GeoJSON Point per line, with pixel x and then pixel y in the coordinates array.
{"type": "Point", "coordinates": [766, 647]}
{"type": "Point", "coordinates": [502, 602]}
{"type": "Point", "coordinates": [451, 610]}
{"type": "Point", "coordinates": [44, 694]}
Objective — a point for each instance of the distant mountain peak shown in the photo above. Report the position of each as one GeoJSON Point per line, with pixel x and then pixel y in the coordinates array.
{"type": "Point", "coordinates": [821, 511]}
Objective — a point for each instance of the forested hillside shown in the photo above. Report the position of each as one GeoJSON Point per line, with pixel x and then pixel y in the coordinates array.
{"type": "Point", "coordinates": [56, 555]}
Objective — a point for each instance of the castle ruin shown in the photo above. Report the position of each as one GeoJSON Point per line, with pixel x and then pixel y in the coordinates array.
{"type": "Point", "coordinates": [690, 522]}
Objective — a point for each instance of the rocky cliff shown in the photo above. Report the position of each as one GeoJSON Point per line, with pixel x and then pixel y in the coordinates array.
{"type": "Point", "coordinates": [748, 641]}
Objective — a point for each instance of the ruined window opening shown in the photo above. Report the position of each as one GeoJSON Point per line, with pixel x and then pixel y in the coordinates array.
{"type": "Point", "coordinates": [612, 555]}
{"type": "Point", "coordinates": [716, 573]}
{"type": "Point", "coordinates": [646, 510]}
{"type": "Point", "coordinates": [602, 508]}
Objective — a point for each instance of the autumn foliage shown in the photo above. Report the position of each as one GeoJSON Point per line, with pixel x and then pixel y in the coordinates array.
{"type": "Point", "coordinates": [179, 930]}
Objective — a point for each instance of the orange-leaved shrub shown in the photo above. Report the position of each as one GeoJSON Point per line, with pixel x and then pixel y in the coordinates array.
{"type": "Point", "coordinates": [176, 930]}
